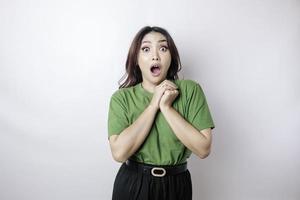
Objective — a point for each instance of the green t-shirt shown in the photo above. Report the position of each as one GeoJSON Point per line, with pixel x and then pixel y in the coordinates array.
{"type": "Point", "coordinates": [161, 147]}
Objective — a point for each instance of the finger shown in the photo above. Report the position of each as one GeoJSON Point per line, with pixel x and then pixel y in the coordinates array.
{"type": "Point", "coordinates": [171, 91]}
{"type": "Point", "coordinates": [171, 84]}
{"type": "Point", "coordinates": [168, 85]}
{"type": "Point", "coordinates": [168, 92]}
{"type": "Point", "coordinates": [174, 92]}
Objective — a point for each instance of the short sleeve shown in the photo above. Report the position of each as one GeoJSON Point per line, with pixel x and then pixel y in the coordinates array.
{"type": "Point", "coordinates": [117, 119]}
{"type": "Point", "coordinates": [198, 111]}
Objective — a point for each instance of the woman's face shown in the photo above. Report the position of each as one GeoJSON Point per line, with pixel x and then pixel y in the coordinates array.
{"type": "Point", "coordinates": [154, 58]}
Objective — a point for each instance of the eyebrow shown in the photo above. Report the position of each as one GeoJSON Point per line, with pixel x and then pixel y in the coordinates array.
{"type": "Point", "coordinates": [158, 41]}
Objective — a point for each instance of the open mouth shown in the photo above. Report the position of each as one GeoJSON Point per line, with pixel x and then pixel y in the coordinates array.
{"type": "Point", "coordinates": [155, 70]}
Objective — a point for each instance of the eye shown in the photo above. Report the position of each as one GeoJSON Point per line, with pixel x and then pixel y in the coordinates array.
{"type": "Point", "coordinates": [145, 49]}
{"type": "Point", "coordinates": [164, 48]}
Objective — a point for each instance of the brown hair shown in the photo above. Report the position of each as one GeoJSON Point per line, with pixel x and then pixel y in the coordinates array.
{"type": "Point", "coordinates": [133, 71]}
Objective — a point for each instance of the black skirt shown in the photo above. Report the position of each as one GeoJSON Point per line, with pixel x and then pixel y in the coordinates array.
{"type": "Point", "coordinates": [133, 185]}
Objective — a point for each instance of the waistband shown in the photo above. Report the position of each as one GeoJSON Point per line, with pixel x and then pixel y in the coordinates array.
{"type": "Point", "coordinates": [157, 171]}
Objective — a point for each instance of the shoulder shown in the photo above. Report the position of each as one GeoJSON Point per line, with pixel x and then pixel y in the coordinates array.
{"type": "Point", "coordinates": [187, 82]}
{"type": "Point", "coordinates": [123, 95]}
{"type": "Point", "coordinates": [190, 89]}
{"type": "Point", "coordinates": [187, 85]}
{"type": "Point", "coordinates": [119, 93]}
{"type": "Point", "coordinates": [123, 92]}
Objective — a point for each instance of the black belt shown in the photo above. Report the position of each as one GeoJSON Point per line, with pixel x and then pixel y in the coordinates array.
{"type": "Point", "coordinates": [158, 171]}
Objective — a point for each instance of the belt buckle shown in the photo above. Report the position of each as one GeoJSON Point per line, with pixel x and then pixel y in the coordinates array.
{"type": "Point", "coordinates": [160, 174]}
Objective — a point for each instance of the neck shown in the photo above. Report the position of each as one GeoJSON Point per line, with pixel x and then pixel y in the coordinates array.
{"type": "Point", "coordinates": [148, 86]}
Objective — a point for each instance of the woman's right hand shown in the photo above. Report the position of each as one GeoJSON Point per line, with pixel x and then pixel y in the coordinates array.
{"type": "Point", "coordinates": [159, 91]}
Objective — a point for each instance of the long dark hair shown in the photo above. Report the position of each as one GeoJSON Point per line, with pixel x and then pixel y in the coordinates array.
{"type": "Point", "coordinates": [133, 73]}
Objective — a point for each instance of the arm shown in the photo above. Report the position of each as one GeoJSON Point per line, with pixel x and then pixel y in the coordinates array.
{"type": "Point", "coordinates": [130, 139]}
{"type": "Point", "coordinates": [199, 142]}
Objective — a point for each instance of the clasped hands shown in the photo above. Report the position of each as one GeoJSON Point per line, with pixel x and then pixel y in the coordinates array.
{"type": "Point", "coordinates": [164, 95]}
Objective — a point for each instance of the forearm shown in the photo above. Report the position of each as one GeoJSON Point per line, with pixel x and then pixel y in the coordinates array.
{"type": "Point", "coordinates": [186, 133]}
{"type": "Point", "coordinates": [131, 138]}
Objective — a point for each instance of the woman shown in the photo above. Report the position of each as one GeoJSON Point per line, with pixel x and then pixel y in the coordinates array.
{"type": "Point", "coordinates": [156, 121]}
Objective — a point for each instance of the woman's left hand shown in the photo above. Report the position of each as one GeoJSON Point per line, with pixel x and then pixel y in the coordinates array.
{"type": "Point", "coordinates": [167, 99]}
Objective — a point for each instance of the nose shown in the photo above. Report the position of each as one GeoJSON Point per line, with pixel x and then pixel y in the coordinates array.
{"type": "Point", "coordinates": [155, 56]}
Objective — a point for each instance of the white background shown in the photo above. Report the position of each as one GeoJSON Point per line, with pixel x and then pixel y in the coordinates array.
{"type": "Point", "coordinates": [61, 61]}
